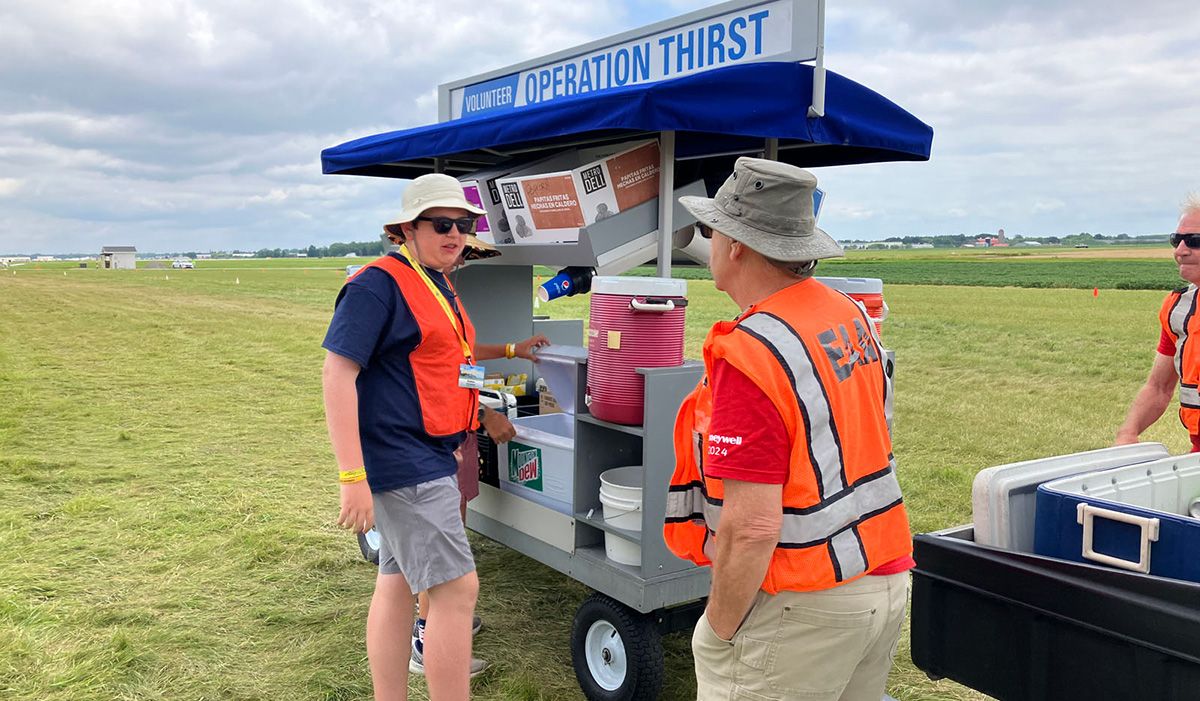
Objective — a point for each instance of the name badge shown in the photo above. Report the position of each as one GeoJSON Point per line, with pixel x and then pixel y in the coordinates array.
{"type": "Point", "coordinates": [470, 376]}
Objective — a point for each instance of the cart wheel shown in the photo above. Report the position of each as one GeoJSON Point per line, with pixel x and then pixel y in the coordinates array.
{"type": "Point", "coordinates": [368, 543]}
{"type": "Point", "coordinates": [616, 652]}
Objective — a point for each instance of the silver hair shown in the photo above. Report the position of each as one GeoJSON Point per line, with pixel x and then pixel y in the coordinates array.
{"type": "Point", "coordinates": [798, 269]}
{"type": "Point", "coordinates": [1191, 203]}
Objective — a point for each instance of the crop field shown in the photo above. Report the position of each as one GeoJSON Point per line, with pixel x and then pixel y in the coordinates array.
{"type": "Point", "coordinates": [1119, 268]}
{"type": "Point", "coordinates": [167, 493]}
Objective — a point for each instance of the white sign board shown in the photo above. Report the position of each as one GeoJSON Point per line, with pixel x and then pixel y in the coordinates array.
{"type": "Point", "coordinates": [724, 35]}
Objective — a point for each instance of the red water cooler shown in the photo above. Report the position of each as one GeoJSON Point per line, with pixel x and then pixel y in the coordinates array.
{"type": "Point", "coordinates": [636, 322]}
{"type": "Point", "coordinates": [868, 290]}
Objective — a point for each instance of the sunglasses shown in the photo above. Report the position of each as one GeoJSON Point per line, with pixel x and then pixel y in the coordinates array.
{"type": "Point", "coordinates": [704, 231]}
{"type": "Point", "coordinates": [443, 225]}
{"type": "Point", "coordinates": [1192, 240]}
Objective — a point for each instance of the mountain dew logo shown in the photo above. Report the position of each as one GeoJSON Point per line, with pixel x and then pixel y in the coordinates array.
{"type": "Point", "coordinates": [525, 465]}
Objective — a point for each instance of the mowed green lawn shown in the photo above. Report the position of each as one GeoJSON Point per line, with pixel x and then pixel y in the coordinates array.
{"type": "Point", "coordinates": [167, 491]}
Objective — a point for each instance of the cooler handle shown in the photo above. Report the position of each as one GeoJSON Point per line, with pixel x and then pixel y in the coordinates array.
{"type": "Point", "coordinates": [1085, 515]}
{"type": "Point", "coordinates": [652, 305]}
{"type": "Point", "coordinates": [657, 304]}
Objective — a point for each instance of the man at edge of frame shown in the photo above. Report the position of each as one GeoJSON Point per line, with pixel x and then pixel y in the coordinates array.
{"type": "Point", "coordinates": [784, 479]}
{"type": "Point", "coordinates": [1177, 361]}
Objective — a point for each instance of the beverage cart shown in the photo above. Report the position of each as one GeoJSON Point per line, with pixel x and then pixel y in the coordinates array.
{"type": "Point", "coordinates": [740, 78]}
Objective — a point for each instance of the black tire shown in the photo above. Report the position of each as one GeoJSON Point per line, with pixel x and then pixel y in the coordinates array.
{"type": "Point", "coordinates": [619, 636]}
{"type": "Point", "coordinates": [370, 552]}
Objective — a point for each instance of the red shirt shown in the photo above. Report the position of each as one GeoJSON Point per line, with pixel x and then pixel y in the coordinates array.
{"type": "Point", "coordinates": [752, 443]}
{"type": "Point", "coordinates": [1166, 346]}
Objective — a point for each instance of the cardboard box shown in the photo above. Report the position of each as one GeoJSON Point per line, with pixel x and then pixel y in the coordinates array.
{"type": "Point", "coordinates": [616, 183]}
{"type": "Point", "coordinates": [482, 187]}
{"type": "Point", "coordinates": [542, 208]}
{"type": "Point", "coordinates": [547, 404]}
{"type": "Point", "coordinates": [550, 207]}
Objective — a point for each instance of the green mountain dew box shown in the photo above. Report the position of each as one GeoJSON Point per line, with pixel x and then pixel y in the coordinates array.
{"type": "Point", "coordinates": [539, 463]}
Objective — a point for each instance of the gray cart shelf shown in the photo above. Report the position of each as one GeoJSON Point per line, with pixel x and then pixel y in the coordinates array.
{"type": "Point", "coordinates": [616, 634]}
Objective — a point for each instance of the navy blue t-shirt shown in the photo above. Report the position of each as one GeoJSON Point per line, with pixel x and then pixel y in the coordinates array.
{"type": "Point", "coordinates": [373, 326]}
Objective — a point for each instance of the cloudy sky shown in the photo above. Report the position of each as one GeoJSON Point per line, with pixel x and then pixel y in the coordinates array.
{"type": "Point", "coordinates": [197, 124]}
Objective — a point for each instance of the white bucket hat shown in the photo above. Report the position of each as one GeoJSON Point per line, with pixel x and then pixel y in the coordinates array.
{"type": "Point", "coordinates": [427, 192]}
{"type": "Point", "coordinates": [767, 206]}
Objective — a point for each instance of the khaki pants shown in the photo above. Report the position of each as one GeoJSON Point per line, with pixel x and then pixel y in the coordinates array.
{"type": "Point", "coordinates": [831, 645]}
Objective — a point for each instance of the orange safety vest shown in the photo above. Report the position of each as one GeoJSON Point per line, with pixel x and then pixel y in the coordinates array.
{"type": "Point", "coordinates": [815, 353]}
{"type": "Point", "coordinates": [446, 408]}
{"type": "Point", "coordinates": [1178, 318]}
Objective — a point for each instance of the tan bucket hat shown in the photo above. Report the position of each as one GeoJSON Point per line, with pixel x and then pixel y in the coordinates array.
{"type": "Point", "coordinates": [427, 192]}
{"type": "Point", "coordinates": [476, 248]}
{"type": "Point", "coordinates": [768, 206]}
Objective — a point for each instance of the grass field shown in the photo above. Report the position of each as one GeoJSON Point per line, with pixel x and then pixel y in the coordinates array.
{"type": "Point", "coordinates": [166, 495]}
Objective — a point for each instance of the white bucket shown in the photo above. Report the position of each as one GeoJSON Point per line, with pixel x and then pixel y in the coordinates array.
{"type": "Point", "coordinates": [621, 497]}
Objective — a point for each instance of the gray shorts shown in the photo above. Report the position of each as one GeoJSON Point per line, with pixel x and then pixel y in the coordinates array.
{"type": "Point", "coordinates": [422, 534]}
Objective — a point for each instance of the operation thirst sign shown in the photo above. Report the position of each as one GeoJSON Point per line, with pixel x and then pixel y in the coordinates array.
{"type": "Point", "coordinates": [728, 34]}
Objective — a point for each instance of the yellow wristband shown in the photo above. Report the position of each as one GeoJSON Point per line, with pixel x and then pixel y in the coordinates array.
{"type": "Point", "coordinates": [358, 474]}
{"type": "Point", "coordinates": [510, 350]}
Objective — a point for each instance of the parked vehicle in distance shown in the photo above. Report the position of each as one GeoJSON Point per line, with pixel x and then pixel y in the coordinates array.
{"type": "Point", "coordinates": [183, 263]}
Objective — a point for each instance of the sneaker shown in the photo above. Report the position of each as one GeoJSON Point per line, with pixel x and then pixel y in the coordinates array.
{"type": "Point", "coordinates": [416, 664]}
{"type": "Point", "coordinates": [476, 626]}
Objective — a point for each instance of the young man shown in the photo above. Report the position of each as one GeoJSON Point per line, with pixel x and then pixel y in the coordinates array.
{"type": "Point", "coordinates": [1177, 361]}
{"type": "Point", "coordinates": [497, 425]}
{"type": "Point", "coordinates": [784, 480]}
{"type": "Point", "coordinates": [400, 382]}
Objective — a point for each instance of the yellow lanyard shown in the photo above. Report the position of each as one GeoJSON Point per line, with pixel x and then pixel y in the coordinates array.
{"type": "Point", "coordinates": [441, 298]}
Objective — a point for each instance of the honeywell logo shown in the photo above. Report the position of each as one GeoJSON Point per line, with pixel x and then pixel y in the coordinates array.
{"type": "Point", "coordinates": [726, 440]}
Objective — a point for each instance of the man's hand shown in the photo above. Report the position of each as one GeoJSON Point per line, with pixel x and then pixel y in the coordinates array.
{"type": "Point", "coordinates": [1125, 438]}
{"type": "Point", "coordinates": [724, 629]}
{"type": "Point", "coordinates": [498, 427]}
{"type": "Point", "coordinates": [525, 349]}
{"type": "Point", "coordinates": [358, 510]}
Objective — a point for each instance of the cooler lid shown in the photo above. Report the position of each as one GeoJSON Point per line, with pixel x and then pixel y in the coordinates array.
{"type": "Point", "coordinates": [558, 366]}
{"type": "Point", "coordinates": [854, 285]}
{"type": "Point", "coordinates": [639, 286]}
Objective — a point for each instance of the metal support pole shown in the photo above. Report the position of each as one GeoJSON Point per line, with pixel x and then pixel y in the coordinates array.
{"type": "Point", "coordinates": [818, 97]}
{"type": "Point", "coordinates": [439, 165]}
{"type": "Point", "coordinates": [771, 149]}
{"type": "Point", "coordinates": [666, 203]}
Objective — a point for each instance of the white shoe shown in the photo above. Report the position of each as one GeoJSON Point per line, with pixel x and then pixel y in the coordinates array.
{"type": "Point", "coordinates": [416, 664]}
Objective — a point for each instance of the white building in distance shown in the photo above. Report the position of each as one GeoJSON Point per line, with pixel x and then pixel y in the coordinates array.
{"type": "Point", "coordinates": [118, 257]}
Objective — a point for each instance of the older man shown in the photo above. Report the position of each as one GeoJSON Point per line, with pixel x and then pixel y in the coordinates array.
{"type": "Point", "coordinates": [784, 480]}
{"type": "Point", "coordinates": [1178, 358]}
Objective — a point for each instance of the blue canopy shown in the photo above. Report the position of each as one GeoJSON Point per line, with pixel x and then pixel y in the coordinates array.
{"type": "Point", "coordinates": [716, 116]}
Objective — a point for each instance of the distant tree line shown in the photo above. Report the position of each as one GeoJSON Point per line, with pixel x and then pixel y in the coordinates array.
{"type": "Point", "coordinates": [334, 250]}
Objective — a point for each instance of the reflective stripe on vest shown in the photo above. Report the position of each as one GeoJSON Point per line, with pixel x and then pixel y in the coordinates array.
{"type": "Point", "coordinates": [824, 444]}
{"type": "Point", "coordinates": [802, 528]}
{"type": "Point", "coordinates": [1179, 319]}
